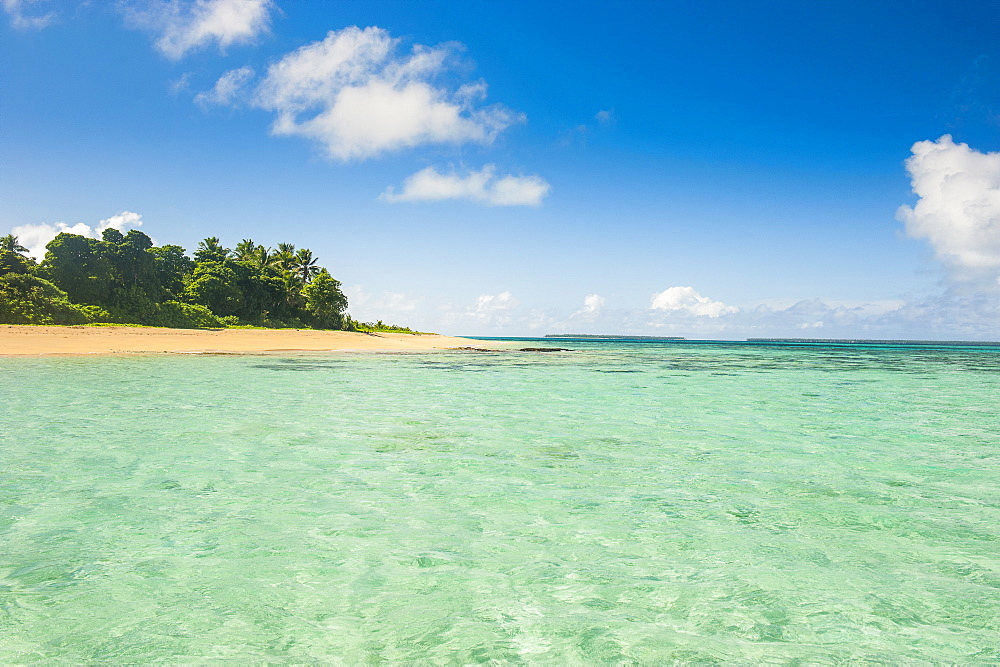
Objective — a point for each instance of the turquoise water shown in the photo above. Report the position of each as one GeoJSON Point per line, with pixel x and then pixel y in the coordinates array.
{"type": "Point", "coordinates": [618, 503]}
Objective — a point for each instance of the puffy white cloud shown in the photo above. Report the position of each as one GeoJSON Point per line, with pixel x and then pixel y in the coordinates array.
{"type": "Point", "coordinates": [959, 207]}
{"type": "Point", "coordinates": [18, 19]}
{"type": "Point", "coordinates": [687, 300]}
{"type": "Point", "coordinates": [592, 303]}
{"type": "Point", "coordinates": [481, 186]}
{"type": "Point", "coordinates": [227, 89]}
{"type": "Point", "coordinates": [592, 306]}
{"type": "Point", "coordinates": [36, 237]}
{"type": "Point", "coordinates": [185, 26]}
{"type": "Point", "coordinates": [355, 96]}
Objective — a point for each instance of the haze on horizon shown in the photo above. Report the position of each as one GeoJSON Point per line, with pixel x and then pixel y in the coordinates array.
{"type": "Point", "coordinates": [699, 169]}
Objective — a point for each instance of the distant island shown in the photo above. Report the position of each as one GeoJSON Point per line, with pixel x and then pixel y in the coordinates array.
{"type": "Point", "coordinates": [610, 337]}
{"type": "Point", "coordinates": [870, 341]}
{"type": "Point", "coordinates": [125, 279]}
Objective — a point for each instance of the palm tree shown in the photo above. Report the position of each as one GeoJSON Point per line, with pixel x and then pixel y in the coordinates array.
{"type": "Point", "coordinates": [12, 257]}
{"type": "Point", "coordinates": [11, 244]}
{"type": "Point", "coordinates": [293, 290]}
{"type": "Point", "coordinates": [262, 257]}
{"type": "Point", "coordinates": [210, 250]}
{"type": "Point", "coordinates": [284, 257]}
{"type": "Point", "coordinates": [305, 265]}
{"type": "Point", "coordinates": [257, 256]}
{"type": "Point", "coordinates": [244, 250]}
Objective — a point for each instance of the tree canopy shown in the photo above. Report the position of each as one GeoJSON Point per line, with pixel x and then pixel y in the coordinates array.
{"type": "Point", "coordinates": [124, 278]}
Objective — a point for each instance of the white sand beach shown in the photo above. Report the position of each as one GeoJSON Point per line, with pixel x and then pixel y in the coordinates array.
{"type": "Point", "coordinates": [39, 340]}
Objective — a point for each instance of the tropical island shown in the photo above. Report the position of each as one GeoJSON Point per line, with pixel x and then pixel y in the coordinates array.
{"type": "Point", "coordinates": [124, 279]}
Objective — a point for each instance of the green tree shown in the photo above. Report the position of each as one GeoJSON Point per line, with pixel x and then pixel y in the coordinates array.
{"type": "Point", "coordinates": [76, 265]}
{"type": "Point", "coordinates": [304, 265]}
{"type": "Point", "coordinates": [262, 258]}
{"type": "Point", "coordinates": [171, 265]}
{"type": "Point", "coordinates": [130, 265]}
{"type": "Point", "coordinates": [214, 285]}
{"type": "Point", "coordinates": [293, 292]}
{"type": "Point", "coordinates": [12, 257]}
{"type": "Point", "coordinates": [211, 250]}
{"type": "Point", "coordinates": [11, 244]}
{"type": "Point", "coordinates": [244, 250]}
{"type": "Point", "coordinates": [262, 292]}
{"type": "Point", "coordinates": [284, 257]}
{"type": "Point", "coordinates": [324, 301]}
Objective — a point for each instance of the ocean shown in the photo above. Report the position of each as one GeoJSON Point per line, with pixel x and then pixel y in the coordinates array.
{"type": "Point", "coordinates": [621, 502]}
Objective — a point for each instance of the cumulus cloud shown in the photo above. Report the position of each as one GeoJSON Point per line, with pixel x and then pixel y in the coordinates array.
{"type": "Point", "coordinates": [482, 186]}
{"type": "Point", "coordinates": [185, 26]}
{"type": "Point", "coordinates": [18, 18]}
{"type": "Point", "coordinates": [958, 211]}
{"type": "Point", "coordinates": [592, 305]}
{"type": "Point", "coordinates": [227, 89]}
{"type": "Point", "coordinates": [353, 94]}
{"type": "Point", "coordinates": [36, 237]}
{"type": "Point", "coordinates": [687, 300]}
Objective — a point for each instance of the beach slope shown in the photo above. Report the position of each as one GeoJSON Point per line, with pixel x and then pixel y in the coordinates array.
{"type": "Point", "coordinates": [36, 340]}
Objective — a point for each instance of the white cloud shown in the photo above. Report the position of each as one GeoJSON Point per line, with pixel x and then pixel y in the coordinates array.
{"type": "Point", "coordinates": [959, 207]}
{"type": "Point", "coordinates": [490, 303]}
{"type": "Point", "coordinates": [481, 186]}
{"type": "Point", "coordinates": [605, 116]}
{"type": "Point", "coordinates": [181, 84]}
{"type": "Point", "coordinates": [227, 89]}
{"type": "Point", "coordinates": [490, 311]}
{"type": "Point", "coordinates": [36, 237]}
{"type": "Point", "coordinates": [356, 97]}
{"type": "Point", "coordinates": [15, 10]}
{"type": "Point", "coordinates": [942, 317]}
{"type": "Point", "coordinates": [687, 300]}
{"type": "Point", "coordinates": [592, 306]}
{"type": "Point", "coordinates": [185, 26]}
{"type": "Point", "coordinates": [592, 303]}
{"type": "Point", "coordinates": [390, 307]}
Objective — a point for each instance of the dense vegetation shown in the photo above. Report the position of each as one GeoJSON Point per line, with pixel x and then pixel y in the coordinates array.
{"type": "Point", "coordinates": [124, 278]}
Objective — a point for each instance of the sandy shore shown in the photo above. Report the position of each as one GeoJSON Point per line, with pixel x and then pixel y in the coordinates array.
{"type": "Point", "coordinates": [35, 340]}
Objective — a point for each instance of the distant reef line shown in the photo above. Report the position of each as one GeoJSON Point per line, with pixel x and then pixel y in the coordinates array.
{"type": "Point", "coordinates": [609, 337]}
{"type": "Point", "coordinates": [873, 341]}
{"type": "Point", "coordinates": [804, 341]}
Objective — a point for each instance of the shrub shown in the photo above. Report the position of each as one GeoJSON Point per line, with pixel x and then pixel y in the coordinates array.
{"type": "Point", "coordinates": [27, 299]}
{"type": "Point", "coordinates": [186, 316]}
{"type": "Point", "coordinates": [96, 314]}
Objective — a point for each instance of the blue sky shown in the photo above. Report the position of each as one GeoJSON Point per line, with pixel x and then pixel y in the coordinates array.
{"type": "Point", "coordinates": [703, 169]}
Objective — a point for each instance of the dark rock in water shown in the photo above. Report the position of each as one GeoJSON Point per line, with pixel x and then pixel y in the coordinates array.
{"type": "Point", "coordinates": [545, 349]}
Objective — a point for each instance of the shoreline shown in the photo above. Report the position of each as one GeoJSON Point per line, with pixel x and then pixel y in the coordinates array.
{"type": "Point", "coordinates": [30, 340]}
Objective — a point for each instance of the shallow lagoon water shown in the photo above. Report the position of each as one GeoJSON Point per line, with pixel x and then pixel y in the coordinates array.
{"type": "Point", "coordinates": [613, 504]}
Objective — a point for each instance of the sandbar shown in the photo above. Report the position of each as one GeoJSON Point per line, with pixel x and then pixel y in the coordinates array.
{"type": "Point", "coordinates": [19, 340]}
